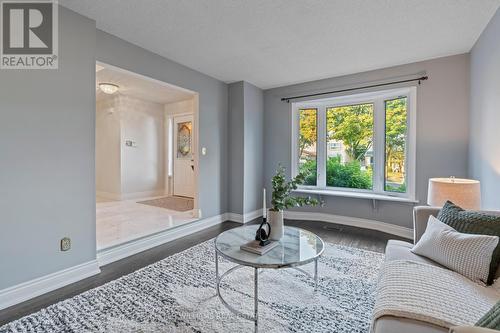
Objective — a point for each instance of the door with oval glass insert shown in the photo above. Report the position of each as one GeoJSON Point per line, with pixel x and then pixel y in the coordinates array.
{"type": "Point", "coordinates": [184, 173]}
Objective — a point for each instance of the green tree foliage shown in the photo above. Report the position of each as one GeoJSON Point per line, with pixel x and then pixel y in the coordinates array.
{"type": "Point", "coordinates": [348, 175]}
{"type": "Point", "coordinates": [282, 191]}
{"type": "Point", "coordinates": [395, 137]}
{"type": "Point", "coordinates": [310, 169]}
{"type": "Point", "coordinates": [353, 125]}
{"type": "Point", "coordinates": [308, 129]}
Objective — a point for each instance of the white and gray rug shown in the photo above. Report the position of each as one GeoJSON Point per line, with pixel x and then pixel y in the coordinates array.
{"type": "Point", "coordinates": [177, 295]}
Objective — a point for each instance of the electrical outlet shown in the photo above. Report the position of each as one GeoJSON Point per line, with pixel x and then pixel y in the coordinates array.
{"type": "Point", "coordinates": [65, 244]}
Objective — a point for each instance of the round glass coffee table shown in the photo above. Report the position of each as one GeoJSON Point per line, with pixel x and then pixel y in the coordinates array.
{"type": "Point", "coordinates": [297, 247]}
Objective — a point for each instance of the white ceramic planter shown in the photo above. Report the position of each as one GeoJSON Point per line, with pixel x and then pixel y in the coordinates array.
{"type": "Point", "coordinates": [276, 221]}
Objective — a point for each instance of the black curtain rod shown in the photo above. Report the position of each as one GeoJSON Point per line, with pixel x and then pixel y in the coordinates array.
{"type": "Point", "coordinates": [422, 78]}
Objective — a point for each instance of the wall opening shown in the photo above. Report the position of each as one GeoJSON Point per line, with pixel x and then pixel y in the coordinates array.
{"type": "Point", "coordinates": [146, 156]}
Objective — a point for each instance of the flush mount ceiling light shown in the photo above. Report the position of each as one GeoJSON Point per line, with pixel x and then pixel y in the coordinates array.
{"type": "Point", "coordinates": [108, 88]}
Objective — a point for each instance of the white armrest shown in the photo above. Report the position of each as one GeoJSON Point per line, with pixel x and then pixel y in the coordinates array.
{"type": "Point", "coordinates": [420, 217]}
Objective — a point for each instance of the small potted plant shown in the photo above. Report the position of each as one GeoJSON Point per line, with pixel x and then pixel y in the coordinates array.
{"type": "Point", "coordinates": [282, 199]}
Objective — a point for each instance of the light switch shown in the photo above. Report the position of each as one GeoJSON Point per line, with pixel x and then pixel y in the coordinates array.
{"type": "Point", "coordinates": [130, 143]}
{"type": "Point", "coordinates": [204, 151]}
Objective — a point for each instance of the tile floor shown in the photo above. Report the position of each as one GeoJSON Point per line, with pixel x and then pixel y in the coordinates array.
{"type": "Point", "coordinates": [121, 221]}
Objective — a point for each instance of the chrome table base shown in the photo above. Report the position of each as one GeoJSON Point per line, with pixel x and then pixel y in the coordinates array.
{"type": "Point", "coordinates": [255, 317]}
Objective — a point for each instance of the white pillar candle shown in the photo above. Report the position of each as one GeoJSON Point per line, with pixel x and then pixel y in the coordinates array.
{"type": "Point", "coordinates": [264, 212]}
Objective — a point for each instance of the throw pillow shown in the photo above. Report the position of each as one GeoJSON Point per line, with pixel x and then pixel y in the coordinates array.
{"type": "Point", "coordinates": [466, 254]}
{"type": "Point", "coordinates": [472, 222]}
{"type": "Point", "coordinates": [491, 319]}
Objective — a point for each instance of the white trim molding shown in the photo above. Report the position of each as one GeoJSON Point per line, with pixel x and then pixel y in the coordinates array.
{"type": "Point", "coordinates": [377, 98]}
{"type": "Point", "coordinates": [145, 194]}
{"type": "Point", "coordinates": [351, 221]}
{"type": "Point", "coordinates": [108, 195]}
{"type": "Point", "coordinates": [244, 218]}
{"type": "Point", "coordinates": [39, 286]}
{"type": "Point", "coordinates": [36, 287]}
{"type": "Point", "coordinates": [109, 255]}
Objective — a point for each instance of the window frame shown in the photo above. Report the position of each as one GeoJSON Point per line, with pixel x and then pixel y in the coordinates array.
{"type": "Point", "coordinates": [377, 98]}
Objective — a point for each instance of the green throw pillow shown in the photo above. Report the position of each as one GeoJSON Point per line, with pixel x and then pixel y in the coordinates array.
{"type": "Point", "coordinates": [491, 319]}
{"type": "Point", "coordinates": [473, 222]}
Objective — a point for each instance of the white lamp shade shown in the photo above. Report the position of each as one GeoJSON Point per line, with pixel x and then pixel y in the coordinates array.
{"type": "Point", "coordinates": [465, 193]}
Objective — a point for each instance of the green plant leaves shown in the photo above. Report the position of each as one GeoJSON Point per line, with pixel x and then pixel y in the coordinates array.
{"type": "Point", "coordinates": [281, 197]}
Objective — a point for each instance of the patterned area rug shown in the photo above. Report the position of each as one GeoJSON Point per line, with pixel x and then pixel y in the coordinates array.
{"type": "Point", "coordinates": [177, 295]}
{"type": "Point", "coordinates": [179, 204]}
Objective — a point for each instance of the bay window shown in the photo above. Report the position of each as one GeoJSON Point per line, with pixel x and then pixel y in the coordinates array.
{"type": "Point", "coordinates": [363, 143]}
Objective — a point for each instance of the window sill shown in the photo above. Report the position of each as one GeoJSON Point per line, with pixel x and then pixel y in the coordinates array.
{"type": "Point", "coordinates": [356, 195]}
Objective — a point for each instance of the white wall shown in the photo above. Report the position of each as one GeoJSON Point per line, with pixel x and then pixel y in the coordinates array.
{"type": "Point", "coordinates": [181, 107]}
{"type": "Point", "coordinates": [124, 172]}
{"type": "Point", "coordinates": [484, 149]}
{"type": "Point", "coordinates": [142, 166]}
{"type": "Point", "coordinates": [107, 155]}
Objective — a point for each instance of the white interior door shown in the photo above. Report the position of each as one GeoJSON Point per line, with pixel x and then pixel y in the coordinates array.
{"type": "Point", "coordinates": [184, 175]}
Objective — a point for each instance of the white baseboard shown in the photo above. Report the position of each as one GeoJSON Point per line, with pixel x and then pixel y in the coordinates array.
{"type": "Point", "coordinates": [244, 218]}
{"type": "Point", "coordinates": [234, 217]}
{"type": "Point", "coordinates": [145, 194]}
{"type": "Point", "coordinates": [118, 252]}
{"type": "Point", "coordinates": [39, 286]}
{"type": "Point", "coordinates": [108, 195]}
{"type": "Point", "coordinates": [351, 221]}
{"type": "Point", "coordinates": [36, 287]}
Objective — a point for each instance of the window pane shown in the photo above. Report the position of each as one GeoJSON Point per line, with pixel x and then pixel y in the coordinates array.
{"type": "Point", "coordinates": [395, 145]}
{"type": "Point", "coordinates": [308, 144]}
{"type": "Point", "coordinates": [349, 131]}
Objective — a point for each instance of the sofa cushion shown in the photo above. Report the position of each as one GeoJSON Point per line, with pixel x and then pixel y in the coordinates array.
{"type": "Point", "coordinates": [473, 222]}
{"type": "Point", "coordinates": [400, 250]}
{"type": "Point", "coordinates": [467, 254]}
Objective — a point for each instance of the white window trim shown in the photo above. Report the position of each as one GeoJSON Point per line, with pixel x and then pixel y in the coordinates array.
{"type": "Point", "coordinates": [377, 98]}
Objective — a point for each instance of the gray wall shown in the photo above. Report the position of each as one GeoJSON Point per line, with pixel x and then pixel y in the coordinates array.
{"type": "Point", "coordinates": [442, 131]}
{"type": "Point", "coordinates": [254, 147]}
{"type": "Point", "coordinates": [213, 99]}
{"type": "Point", "coordinates": [236, 147]}
{"type": "Point", "coordinates": [246, 144]}
{"type": "Point", "coordinates": [484, 152]}
{"type": "Point", "coordinates": [47, 180]}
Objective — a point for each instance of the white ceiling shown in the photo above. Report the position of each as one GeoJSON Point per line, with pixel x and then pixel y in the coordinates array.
{"type": "Point", "coordinates": [272, 43]}
{"type": "Point", "coordinates": [136, 86]}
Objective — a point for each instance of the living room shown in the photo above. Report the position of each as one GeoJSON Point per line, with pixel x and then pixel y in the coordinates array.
{"type": "Point", "coordinates": [334, 145]}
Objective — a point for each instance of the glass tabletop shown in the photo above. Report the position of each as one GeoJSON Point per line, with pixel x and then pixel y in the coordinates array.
{"type": "Point", "coordinates": [297, 247]}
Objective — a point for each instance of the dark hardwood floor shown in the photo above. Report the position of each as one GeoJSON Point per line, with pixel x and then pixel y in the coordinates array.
{"type": "Point", "coordinates": [332, 233]}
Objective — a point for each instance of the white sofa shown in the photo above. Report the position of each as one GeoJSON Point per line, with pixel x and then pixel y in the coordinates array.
{"type": "Point", "coordinates": [400, 250]}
